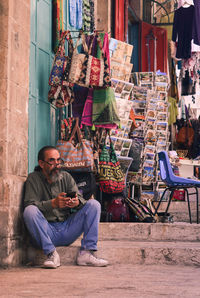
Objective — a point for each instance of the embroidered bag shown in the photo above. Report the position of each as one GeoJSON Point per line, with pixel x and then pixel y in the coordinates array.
{"type": "Point", "coordinates": [104, 107]}
{"type": "Point", "coordinates": [60, 61]}
{"type": "Point", "coordinates": [95, 72]}
{"type": "Point", "coordinates": [111, 178]}
{"type": "Point", "coordinates": [77, 61]}
{"type": "Point", "coordinates": [76, 156]}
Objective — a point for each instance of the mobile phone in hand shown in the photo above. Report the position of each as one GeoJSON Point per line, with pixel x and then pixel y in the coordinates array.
{"type": "Point", "coordinates": [71, 194]}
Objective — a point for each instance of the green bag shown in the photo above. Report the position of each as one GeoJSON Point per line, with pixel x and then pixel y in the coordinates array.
{"type": "Point", "coordinates": [110, 177]}
{"type": "Point", "coordinates": [104, 109]}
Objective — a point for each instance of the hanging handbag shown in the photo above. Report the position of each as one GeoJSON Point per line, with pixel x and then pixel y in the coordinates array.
{"type": "Point", "coordinates": [77, 60]}
{"type": "Point", "coordinates": [60, 61]}
{"type": "Point", "coordinates": [76, 156]}
{"type": "Point", "coordinates": [111, 178]}
{"type": "Point", "coordinates": [95, 72]}
{"type": "Point", "coordinates": [104, 107]}
{"type": "Point", "coordinates": [186, 134]}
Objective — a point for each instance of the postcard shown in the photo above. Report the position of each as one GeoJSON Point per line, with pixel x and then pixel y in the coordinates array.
{"type": "Point", "coordinates": [161, 116]}
{"type": "Point", "coordinates": [149, 86]}
{"type": "Point", "coordinates": [145, 76]}
{"type": "Point", "coordinates": [149, 156]}
{"type": "Point", "coordinates": [151, 114]}
{"type": "Point", "coordinates": [163, 126]}
{"type": "Point", "coordinates": [149, 163]}
{"type": "Point", "coordinates": [148, 175]}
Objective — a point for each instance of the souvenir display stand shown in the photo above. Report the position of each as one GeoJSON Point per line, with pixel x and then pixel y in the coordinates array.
{"type": "Point", "coordinates": [150, 107]}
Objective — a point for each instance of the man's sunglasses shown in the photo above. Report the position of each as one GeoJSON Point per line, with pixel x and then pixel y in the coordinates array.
{"type": "Point", "coordinates": [53, 161]}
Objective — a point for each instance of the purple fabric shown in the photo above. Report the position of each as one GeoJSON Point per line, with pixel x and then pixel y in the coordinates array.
{"type": "Point", "coordinates": [196, 25]}
{"type": "Point", "coordinates": [80, 95]}
{"type": "Point", "coordinates": [182, 29]}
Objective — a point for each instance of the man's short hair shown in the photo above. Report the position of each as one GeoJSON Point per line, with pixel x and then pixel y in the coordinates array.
{"type": "Point", "coordinates": [41, 153]}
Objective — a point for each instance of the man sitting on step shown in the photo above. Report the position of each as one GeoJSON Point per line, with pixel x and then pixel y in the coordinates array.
{"type": "Point", "coordinates": [56, 214]}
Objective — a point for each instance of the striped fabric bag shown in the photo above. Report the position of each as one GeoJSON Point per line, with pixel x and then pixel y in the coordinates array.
{"type": "Point", "coordinates": [76, 156]}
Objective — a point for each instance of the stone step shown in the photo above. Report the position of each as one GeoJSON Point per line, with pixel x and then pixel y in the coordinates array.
{"type": "Point", "coordinates": [137, 243]}
{"type": "Point", "coordinates": [149, 231]}
{"type": "Point", "coordinates": [132, 252]}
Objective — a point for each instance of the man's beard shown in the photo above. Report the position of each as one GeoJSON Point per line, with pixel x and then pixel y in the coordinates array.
{"type": "Point", "coordinates": [55, 175]}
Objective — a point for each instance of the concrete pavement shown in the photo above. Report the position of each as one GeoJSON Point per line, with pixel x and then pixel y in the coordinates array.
{"type": "Point", "coordinates": [116, 280]}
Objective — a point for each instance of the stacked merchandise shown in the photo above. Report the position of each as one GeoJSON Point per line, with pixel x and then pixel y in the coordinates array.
{"type": "Point", "coordinates": [120, 68]}
{"type": "Point", "coordinates": [120, 57]}
{"type": "Point", "coordinates": [120, 137]}
{"type": "Point", "coordinates": [152, 107]}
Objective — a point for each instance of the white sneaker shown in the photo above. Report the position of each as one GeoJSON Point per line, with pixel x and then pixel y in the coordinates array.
{"type": "Point", "coordinates": [86, 258]}
{"type": "Point", "coordinates": [53, 260]}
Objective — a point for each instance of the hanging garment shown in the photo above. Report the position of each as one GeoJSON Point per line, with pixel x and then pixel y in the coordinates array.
{"type": "Point", "coordinates": [173, 110]}
{"type": "Point", "coordinates": [86, 15]}
{"type": "Point", "coordinates": [196, 25]}
{"type": "Point", "coordinates": [182, 31]}
{"type": "Point", "coordinates": [92, 20]}
{"type": "Point", "coordinates": [75, 13]}
{"type": "Point", "coordinates": [192, 65]}
{"type": "Point", "coordinates": [57, 23]}
{"type": "Point", "coordinates": [188, 87]}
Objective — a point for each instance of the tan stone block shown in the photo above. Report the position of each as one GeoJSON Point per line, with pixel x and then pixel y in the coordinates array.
{"type": "Point", "coordinates": [3, 62]}
{"type": "Point", "coordinates": [3, 92]}
{"type": "Point", "coordinates": [18, 100]}
{"type": "Point", "coordinates": [3, 159]}
{"type": "Point", "coordinates": [20, 12]}
{"type": "Point", "coordinates": [17, 126]}
{"type": "Point", "coordinates": [4, 222]}
{"type": "Point", "coordinates": [11, 193]}
{"type": "Point", "coordinates": [3, 130]}
{"type": "Point", "coordinates": [4, 30]}
{"type": "Point", "coordinates": [17, 154]}
{"type": "Point", "coordinates": [16, 221]}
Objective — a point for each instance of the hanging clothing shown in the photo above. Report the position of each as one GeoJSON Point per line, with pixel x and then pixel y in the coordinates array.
{"type": "Point", "coordinates": [75, 13]}
{"type": "Point", "coordinates": [182, 31]}
{"type": "Point", "coordinates": [92, 20]}
{"type": "Point", "coordinates": [196, 25]}
{"type": "Point", "coordinates": [173, 110]}
{"type": "Point", "coordinates": [57, 23]}
{"type": "Point", "coordinates": [86, 15]}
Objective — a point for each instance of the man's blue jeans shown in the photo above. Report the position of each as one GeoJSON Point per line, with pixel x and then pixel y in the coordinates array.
{"type": "Point", "coordinates": [48, 235]}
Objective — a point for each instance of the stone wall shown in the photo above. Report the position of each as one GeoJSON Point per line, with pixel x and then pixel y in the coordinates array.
{"type": "Point", "coordinates": [14, 83]}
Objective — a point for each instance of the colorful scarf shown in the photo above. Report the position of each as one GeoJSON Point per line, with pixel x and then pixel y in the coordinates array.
{"type": "Point", "coordinates": [57, 23]}
{"type": "Point", "coordinates": [75, 13]}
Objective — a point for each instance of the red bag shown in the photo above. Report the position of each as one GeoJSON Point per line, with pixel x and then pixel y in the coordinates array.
{"type": "Point", "coordinates": [117, 210]}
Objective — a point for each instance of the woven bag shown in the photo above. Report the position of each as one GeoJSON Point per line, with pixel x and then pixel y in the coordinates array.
{"type": "Point", "coordinates": [77, 61]}
{"type": "Point", "coordinates": [95, 72]}
{"type": "Point", "coordinates": [111, 178]}
{"type": "Point", "coordinates": [60, 61]}
{"type": "Point", "coordinates": [76, 156]}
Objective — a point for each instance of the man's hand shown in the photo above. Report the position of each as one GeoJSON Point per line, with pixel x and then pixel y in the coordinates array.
{"type": "Point", "coordinates": [62, 201]}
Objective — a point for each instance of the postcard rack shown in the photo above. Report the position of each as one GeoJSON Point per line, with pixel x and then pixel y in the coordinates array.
{"type": "Point", "coordinates": [150, 104]}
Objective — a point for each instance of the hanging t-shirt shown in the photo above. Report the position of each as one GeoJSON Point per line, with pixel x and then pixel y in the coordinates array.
{"type": "Point", "coordinates": [196, 25]}
{"type": "Point", "coordinates": [182, 31]}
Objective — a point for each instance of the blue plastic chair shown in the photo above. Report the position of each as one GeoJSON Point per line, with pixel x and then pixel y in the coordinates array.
{"type": "Point", "coordinates": [174, 182]}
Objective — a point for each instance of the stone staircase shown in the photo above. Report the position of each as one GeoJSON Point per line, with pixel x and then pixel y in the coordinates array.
{"type": "Point", "coordinates": [138, 243]}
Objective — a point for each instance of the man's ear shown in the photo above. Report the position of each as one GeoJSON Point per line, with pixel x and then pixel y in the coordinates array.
{"type": "Point", "coordinates": [41, 164]}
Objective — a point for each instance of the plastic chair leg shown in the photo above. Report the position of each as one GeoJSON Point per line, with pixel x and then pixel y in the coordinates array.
{"type": "Point", "coordinates": [188, 201]}
{"type": "Point", "coordinates": [197, 196]}
{"type": "Point", "coordinates": [169, 201]}
{"type": "Point", "coordinates": [163, 195]}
